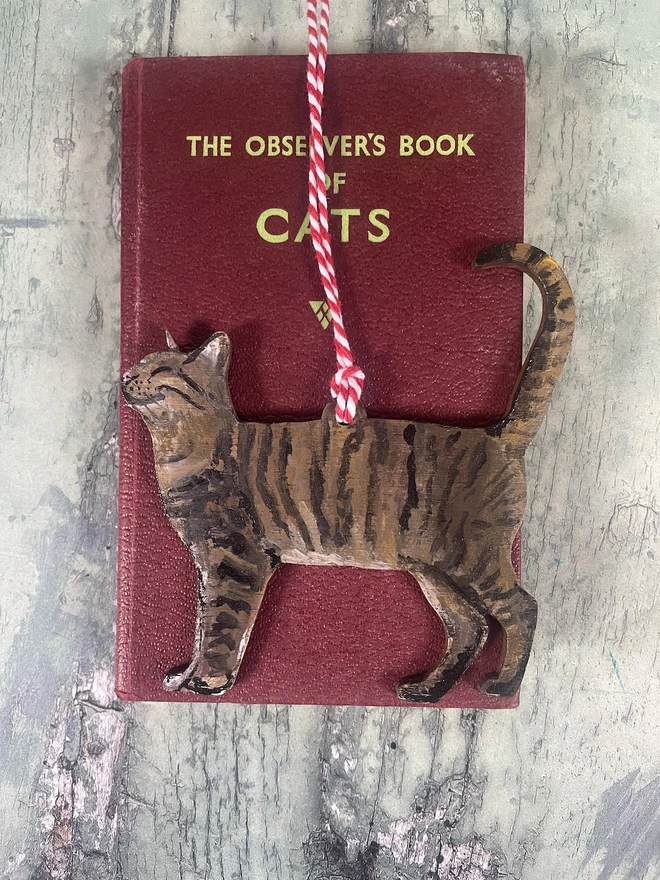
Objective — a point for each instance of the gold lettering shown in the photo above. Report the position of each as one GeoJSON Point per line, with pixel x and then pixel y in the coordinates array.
{"type": "Point", "coordinates": [304, 229]}
{"type": "Point", "coordinates": [345, 214]}
{"type": "Point", "coordinates": [210, 145]}
{"type": "Point", "coordinates": [193, 138]}
{"type": "Point", "coordinates": [463, 144]}
{"type": "Point", "coordinates": [287, 145]}
{"type": "Point", "coordinates": [384, 230]}
{"type": "Point", "coordinates": [345, 149]}
{"type": "Point", "coordinates": [405, 145]}
{"type": "Point", "coordinates": [339, 179]}
{"type": "Point", "coordinates": [379, 145]}
{"type": "Point", "coordinates": [361, 145]}
{"type": "Point", "coordinates": [424, 151]}
{"type": "Point", "coordinates": [330, 145]}
{"type": "Point", "coordinates": [273, 237]}
{"type": "Point", "coordinates": [301, 145]}
{"type": "Point", "coordinates": [260, 145]}
{"type": "Point", "coordinates": [451, 145]}
{"type": "Point", "coordinates": [273, 145]}
{"type": "Point", "coordinates": [225, 145]}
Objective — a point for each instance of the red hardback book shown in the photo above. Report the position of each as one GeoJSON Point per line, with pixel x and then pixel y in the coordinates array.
{"type": "Point", "coordinates": [425, 157]}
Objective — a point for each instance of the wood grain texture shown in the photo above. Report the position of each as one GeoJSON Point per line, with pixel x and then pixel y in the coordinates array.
{"type": "Point", "coordinates": [567, 786]}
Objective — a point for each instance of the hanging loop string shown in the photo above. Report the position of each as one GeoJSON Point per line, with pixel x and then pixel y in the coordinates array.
{"type": "Point", "coordinates": [347, 383]}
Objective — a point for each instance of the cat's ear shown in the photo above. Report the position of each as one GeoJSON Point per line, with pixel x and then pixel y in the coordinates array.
{"type": "Point", "coordinates": [171, 344]}
{"type": "Point", "coordinates": [216, 353]}
{"type": "Point", "coordinates": [208, 365]}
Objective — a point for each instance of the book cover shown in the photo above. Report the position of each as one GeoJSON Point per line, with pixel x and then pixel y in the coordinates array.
{"type": "Point", "coordinates": [425, 162]}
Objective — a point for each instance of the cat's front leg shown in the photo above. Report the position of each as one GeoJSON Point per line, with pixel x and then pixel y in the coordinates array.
{"type": "Point", "coordinates": [230, 594]}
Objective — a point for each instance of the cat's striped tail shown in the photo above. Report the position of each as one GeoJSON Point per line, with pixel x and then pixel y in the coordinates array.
{"type": "Point", "coordinates": [547, 355]}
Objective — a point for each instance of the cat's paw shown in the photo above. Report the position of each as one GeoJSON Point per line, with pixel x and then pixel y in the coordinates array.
{"type": "Point", "coordinates": [175, 679]}
{"type": "Point", "coordinates": [210, 687]}
{"type": "Point", "coordinates": [493, 687]}
{"type": "Point", "coordinates": [182, 678]}
{"type": "Point", "coordinates": [418, 690]}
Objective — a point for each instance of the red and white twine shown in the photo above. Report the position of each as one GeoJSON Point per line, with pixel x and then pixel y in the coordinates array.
{"type": "Point", "coordinates": [347, 383]}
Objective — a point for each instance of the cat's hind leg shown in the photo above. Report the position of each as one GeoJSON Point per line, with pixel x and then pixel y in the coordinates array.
{"type": "Point", "coordinates": [466, 631]}
{"type": "Point", "coordinates": [230, 594]}
{"type": "Point", "coordinates": [499, 594]}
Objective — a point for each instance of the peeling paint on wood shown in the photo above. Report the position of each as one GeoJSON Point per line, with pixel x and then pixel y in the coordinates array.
{"type": "Point", "coordinates": [385, 813]}
{"type": "Point", "coordinates": [78, 789]}
{"type": "Point", "coordinates": [564, 787]}
{"type": "Point", "coordinates": [394, 20]}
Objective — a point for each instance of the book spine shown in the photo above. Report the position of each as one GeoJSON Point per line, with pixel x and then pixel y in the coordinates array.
{"type": "Point", "coordinates": [132, 81]}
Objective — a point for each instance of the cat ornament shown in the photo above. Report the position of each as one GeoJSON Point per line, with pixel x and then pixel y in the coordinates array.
{"type": "Point", "coordinates": [442, 503]}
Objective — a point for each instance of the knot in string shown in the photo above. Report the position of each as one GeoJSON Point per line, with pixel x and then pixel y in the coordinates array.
{"type": "Point", "coordinates": [346, 385]}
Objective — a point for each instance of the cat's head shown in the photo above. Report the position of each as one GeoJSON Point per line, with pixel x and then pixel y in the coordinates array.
{"type": "Point", "coordinates": [168, 385]}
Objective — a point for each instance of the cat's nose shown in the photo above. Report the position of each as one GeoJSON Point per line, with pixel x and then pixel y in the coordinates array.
{"type": "Point", "coordinates": [128, 386]}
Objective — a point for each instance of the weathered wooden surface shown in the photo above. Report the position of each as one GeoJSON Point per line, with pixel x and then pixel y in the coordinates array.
{"type": "Point", "coordinates": [567, 786]}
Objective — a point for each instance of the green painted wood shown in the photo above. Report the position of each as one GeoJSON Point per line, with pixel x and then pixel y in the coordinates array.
{"type": "Point", "coordinates": [567, 786]}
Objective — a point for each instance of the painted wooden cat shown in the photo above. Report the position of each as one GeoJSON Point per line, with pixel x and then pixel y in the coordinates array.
{"type": "Point", "coordinates": [439, 502]}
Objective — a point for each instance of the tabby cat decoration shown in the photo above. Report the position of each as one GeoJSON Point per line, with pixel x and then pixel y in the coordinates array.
{"type": "Point", "coordinates": [441, 503]}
